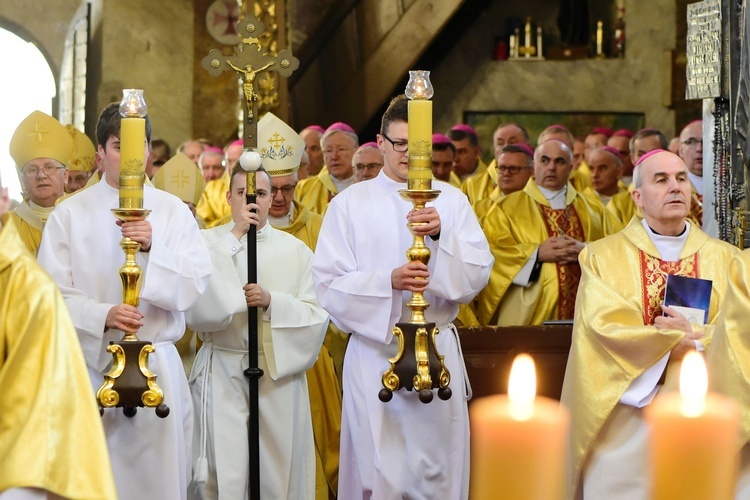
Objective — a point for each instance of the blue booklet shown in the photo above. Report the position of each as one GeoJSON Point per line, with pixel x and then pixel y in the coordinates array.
{"type": "Point", "coordinates": [691, 297]}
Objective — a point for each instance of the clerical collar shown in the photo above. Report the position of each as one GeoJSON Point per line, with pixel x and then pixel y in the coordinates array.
{"type": "Point", "coordinates": [697, 182]}
{"type": "Point", "coordinates": [342, 184]}
{"type": "Point", "coordinates": [605, 199]}
{"type": "Point", "coordinates": [284, 221]}
{"type": "Point", "coordinates": [42, 212]}
{"type": "Point", "coordinates": [669, 247]}
{"type": "Point", "coordinates": [556, 199]}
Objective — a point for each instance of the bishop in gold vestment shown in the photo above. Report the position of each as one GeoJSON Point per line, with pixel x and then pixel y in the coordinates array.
{"type": "Point", "coordinates": [51, 435]}
{"type": "Point", "coordinates": [518, 230]}
{"type": "Point", "coordinates": [624, 339]}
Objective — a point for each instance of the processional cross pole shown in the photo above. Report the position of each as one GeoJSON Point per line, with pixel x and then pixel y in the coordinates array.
{"type": "Point", "coordinates": [249, 61]}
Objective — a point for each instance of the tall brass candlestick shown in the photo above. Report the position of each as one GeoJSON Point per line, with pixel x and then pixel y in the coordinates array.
{"type": "Point", "coordinates": [418, 358]}
{"type": "Point", "coordinates": [129, 383]}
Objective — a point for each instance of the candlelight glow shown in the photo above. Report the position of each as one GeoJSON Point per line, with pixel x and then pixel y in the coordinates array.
{"type": "Point", "coordinates": [522, 387]}
{"type": "Point", "coordinates": [693, 385]}
{"type": "Point", "coordinates": [133, 104]}
{"type": "Point", "coordinates": [419, 86]}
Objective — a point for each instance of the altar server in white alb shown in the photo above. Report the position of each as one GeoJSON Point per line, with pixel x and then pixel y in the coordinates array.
{"type": "Point", "coordinates": [81, 251]}
{"type": "Point", "coordinates": [403, 448]}
{"type": "Point", "coordinates": [290, 332]}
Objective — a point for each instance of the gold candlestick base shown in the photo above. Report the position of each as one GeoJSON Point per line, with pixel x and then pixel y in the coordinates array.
{"type": "Point", "coordinates": [423, 363]}
{"type": "Point", "coordinates": [129, 383]}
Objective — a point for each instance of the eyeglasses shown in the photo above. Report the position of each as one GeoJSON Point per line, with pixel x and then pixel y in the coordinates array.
{"type": "Point", "coordinates": [48, 170]}
{"type": "Point", "coordinates": [692, 143]}
{"type": "Point", "coordinates": [510, 170]}
{"type": "Point", "coordinates": [339, 151]}
{"type": "Point", "coordinates": [398, 146]}
{"type": "Point", "coordinates": [285, 190]}
{"type": "Point", "coordinates": [371, 167]}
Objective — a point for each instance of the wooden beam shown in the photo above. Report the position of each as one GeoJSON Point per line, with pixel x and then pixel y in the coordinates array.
{"type": "Point", "coordinates": [372, 85]}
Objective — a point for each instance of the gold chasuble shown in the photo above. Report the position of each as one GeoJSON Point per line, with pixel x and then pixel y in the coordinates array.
{"type": "Point", "coordinates": [323, 379]}
{"type": "Point", "coordinates": [316, 192]}
{"type": "Point", "coordinates": [51, 434]}
{"type": "Point", "coordinates": [729, 357]}
{"type": "Point", "coordinates": [515, 228]}
{"type": "Point", "coordinates": [623, 206]}
{"type": "Point", "coordinates": [29, 226]}
{"type": "Point", "coordinates": [479, 186]}
{"type": "Point", "coordinates": [213, 206]}
{"type": "Point", "coordinates": [614, 342]}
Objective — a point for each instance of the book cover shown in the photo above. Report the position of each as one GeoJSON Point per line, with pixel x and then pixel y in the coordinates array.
{"type": "Point", "coordinates": [691, 297]}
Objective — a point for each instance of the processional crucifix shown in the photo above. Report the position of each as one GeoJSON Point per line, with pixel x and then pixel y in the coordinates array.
{"type": "Point", "coordinates": [248, 61]}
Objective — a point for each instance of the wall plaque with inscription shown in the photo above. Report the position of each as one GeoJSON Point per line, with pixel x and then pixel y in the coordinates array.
{"type": "Point", "coordinates": [703, 50]}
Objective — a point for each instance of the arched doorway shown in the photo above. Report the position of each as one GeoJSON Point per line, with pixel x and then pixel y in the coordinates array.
{"type": "Point", "coordinates": [29, 84]}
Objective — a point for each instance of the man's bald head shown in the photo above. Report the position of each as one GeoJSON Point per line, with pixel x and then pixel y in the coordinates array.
{"type": "Point", "coordinates": [691, 147]}
{"type": "Point", "coordinates": [553, 161]}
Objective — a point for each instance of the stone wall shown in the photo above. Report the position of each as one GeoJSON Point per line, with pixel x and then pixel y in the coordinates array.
{"type": "Point", "coordinates": [469, 80]}
{"type": "Point", "coordinates": [138, 43]}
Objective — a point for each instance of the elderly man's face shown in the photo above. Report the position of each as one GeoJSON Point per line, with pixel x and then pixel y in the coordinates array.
{"type": "Point", "coordinates": [193, 150]}
{"type": "Point", "coordinates": [282, 194]}
{"type": "Point", "coordinates": [579, 149]}
{"type": "Point", "coordinates": [44, 181]}
{"type": "Point", "coordinates": [553, 162]}
{"type": "Point", "coordinates": [605, 172]}
{"type": "Point", "coordinates": [622, 144]}
{"type": "Point", "coordinates": [338, 149]}
{"type": "Point", "coordinates": [592, 142]}
{"type": "Point", "coordinates": [212, 165]}
{"type": "Point", "coordinates": [507, 135]}
{"type": "Point", "coordinates": [467, 155]}
{"type": "Point", "coordinates": [644, 145]}
{"type": "Point", "coordinates": [313, 149]}
{"type": "Point", "coordinates": [664, 194]}
{"type": "Point", "coordinates": [442, 164]}
{"type": "Point", "coordinates": [513, 172]}
{"type": "Point", "coordinates": [77, 179]}
{"type": "Point", "coordinates": [367, 163]}
{"type": "Point", "coordinates": [691, 147]}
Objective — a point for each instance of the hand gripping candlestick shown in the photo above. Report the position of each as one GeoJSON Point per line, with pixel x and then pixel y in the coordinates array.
{"type": "Point", "coordinates": [418, 365]}
{"type": "Point", "coordinates": [250, 60]}
{"type": "Point", "coordinates": [129, 383]}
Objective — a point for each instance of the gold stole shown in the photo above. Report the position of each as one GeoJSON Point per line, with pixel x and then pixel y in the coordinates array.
{"type": "Point", "coordinates": [565, 221]}
{"type": "Point", "coordinates": [654, 278]}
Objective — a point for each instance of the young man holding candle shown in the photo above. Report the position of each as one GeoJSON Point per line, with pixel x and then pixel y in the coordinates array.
{"type": "Point", "coordinates": [403, 448]}
{"type": "Point", "coordinates": [81, 252]}
{"type": "Point", "coordinates": [625, 339]}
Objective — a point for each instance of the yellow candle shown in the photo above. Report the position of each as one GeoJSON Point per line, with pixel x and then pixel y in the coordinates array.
{"type": "Point", "coordinates": [420, 139]}
{"type": "Point", "coordinates": [694, 440]}
{"type": "Point", "coordinates": [519, 441]}
{"type": "Point", "coordinates": [132, 155]}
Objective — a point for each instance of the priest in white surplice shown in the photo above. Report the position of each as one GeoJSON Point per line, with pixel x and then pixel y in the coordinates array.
{"type": "Point", "coordinates": [291, 330]}
{"type": "Point", "coordinates": [81, 251]}
{"type": "Point", "coordinates": [403, 448]}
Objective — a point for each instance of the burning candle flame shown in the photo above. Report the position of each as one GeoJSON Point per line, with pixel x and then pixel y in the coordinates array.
{"type": "Point", "coordinates": [522, 387]}
{"type": "Point", "coordinates": [693, 385]}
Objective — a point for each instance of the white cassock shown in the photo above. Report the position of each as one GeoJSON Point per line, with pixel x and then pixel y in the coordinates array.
{"type": "Point", "coordinates": [403, 448]}
{"type": "Point", "coordinates": [291, 332]}
{"type": "Point", "coordinates": [81, 251]}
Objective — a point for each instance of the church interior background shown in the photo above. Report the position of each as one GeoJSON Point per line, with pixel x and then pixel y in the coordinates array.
{"type": "Point", "coordinates": [355, 54]}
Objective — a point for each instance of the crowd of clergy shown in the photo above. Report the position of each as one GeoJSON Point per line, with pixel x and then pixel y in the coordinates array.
{"type": "Point", "coordinates": [554, 228]}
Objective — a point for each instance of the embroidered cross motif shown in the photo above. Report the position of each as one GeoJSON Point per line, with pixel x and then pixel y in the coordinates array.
{"type": "Point", "coordinates": [180, 179]}
{"type": "Point", "coordinates": [37, 132]}
{"type": "Point", "coordinates": [276, 140]}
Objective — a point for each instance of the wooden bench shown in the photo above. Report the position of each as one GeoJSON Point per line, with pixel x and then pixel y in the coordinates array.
{"type": "Point", "coordinates": [489, 352]}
